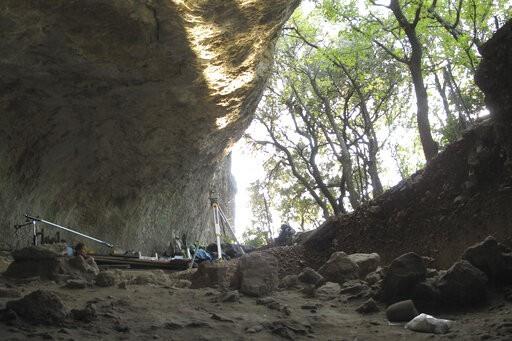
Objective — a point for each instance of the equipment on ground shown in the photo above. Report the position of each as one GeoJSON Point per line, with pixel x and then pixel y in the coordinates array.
{"type": "Point", "coordinates": [30, 220]}
{"type": "Point", "coordinates": [220, 218]}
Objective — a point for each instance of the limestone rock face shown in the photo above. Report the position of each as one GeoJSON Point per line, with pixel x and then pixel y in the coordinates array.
{"type": "Point", "coordinates": [116, 116]}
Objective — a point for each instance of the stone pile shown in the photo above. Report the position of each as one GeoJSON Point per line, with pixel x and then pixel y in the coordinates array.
{"type": "Point", "coordinates": [50, 262]}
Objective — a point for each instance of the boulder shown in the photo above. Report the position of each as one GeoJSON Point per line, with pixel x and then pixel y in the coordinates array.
{"type": "Point", "coordinates": [258, 273]}
{"type": "Point", "coordinates": [105, 279]}
{"type": "Point", "coordinates": [40, 307]}
{"type": "Point", "coordinates": [47, 251]}
{"type": "Point", "coordinates": [339, 268]}
{"type": "Point", "coordinates": [311, 277]}
{"type": "Point", "coordinates": [402, 311]}
{"type": "Point", "coordinates": [367, 262]}
{"type": "Point", "coordinates": [426, 295]}
{"type": "Point", "coordinates": [463, 285]}
{"type": "Point", "coordinates": [47, 262]}
{"type": "Point", "coordinates": [220, 275]}
{"type": "Point", "coordinates": [493, 258]}
{"type": "Point", "coordinates": [402, 275]}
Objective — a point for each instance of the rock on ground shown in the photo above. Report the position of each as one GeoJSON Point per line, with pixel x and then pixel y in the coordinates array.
{"type": "Point", "coordinates": [367, 262]}
{"type": "Point", "coordinates": [40, 307]}
{"type": "Point", "coordinates": [401, 277]}
{"type": "Point", "coordinates": [493, 258]}
{"type": "Point", "coordinates": [368, 307]}
{"type": "Point", "coordinates": [402, 311]}
{"type": "Point", "coordinates": [339, 268]}
{"type": "Point", "coordinates": [48, 262]}
{"type": "Point", "coordinates": [47, 251]}
{"type": "Point", "coordinates": [105, 279]}
{"type": "Point", "coordinates": [88, 314]}
{"type": "Point", "coordinates": [220, 275]}
{"type": "Point", "coordinates": [463, 285]}
{"type": "Point", "coordinates": [310, 276]}
{"type": "Point", "coordinates": [328, 291]}
{"type": "Point", "coordinates": [258, 274]}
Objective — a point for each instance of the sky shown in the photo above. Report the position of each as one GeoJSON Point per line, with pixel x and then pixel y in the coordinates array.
{"type": "Point", "coordinates": [247, 167]}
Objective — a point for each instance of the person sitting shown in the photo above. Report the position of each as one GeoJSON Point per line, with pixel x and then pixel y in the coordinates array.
{"type": "Point", "coordinates": [80, 251]}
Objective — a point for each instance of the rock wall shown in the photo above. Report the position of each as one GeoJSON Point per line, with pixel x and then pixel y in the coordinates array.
{"type": "Point", "coordinates": [494, 77]}
{"type": "Point", "coordinates": [116, 114]}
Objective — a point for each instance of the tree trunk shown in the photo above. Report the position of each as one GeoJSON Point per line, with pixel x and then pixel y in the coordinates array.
{"type": "Point", "coordinates": [430, 147]}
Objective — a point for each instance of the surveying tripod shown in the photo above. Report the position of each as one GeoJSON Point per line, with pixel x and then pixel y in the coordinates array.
{"type": "Point", "coordinates": [219, 218]}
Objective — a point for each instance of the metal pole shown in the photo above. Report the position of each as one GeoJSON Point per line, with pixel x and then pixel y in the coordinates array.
{"type": "Point", "coordinates": [216, 221]}
{"type": "Point", "coordinates": [231, 229]}
{"type": "Point", "coordinates": [34, 237]}
{"type": "Point", "coordinates": [69, 230]}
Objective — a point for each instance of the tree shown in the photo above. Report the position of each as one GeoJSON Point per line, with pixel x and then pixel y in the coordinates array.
{"type": "Point", "coordinates": [319, 116]}
{"type": "Point", "coordinates": [337, 113]}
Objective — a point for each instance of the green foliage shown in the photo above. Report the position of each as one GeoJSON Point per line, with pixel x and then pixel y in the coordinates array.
{"type": "Point", "coordinates": [341, 80]}
{"type": "Point", "coordinates": [255, 237]}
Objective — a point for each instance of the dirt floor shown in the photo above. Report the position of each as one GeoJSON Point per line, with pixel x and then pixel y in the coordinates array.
{"type": "Point", "coordinates": [145, 312]}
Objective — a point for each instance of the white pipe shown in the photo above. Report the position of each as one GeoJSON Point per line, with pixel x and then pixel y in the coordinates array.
{"type": "Point", "coordinates": [216, 221]}
{"type": "Point", "coordinates": [69, 230]}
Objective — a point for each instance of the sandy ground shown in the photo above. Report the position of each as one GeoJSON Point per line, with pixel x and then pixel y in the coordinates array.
{"type": "Point", "coordinates": [146, 312]}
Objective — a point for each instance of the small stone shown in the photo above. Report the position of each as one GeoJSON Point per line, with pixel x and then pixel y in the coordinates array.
{"type": "Point", "coordinates": [256, 329]}
{"type": "Point", "coordinates": [171, 325]}
{"type": "Point", "coordinates": [9, 293]}
{"type": "Point", "coordinates": [368, 307]}
{"type": "Point", "coordinates": [183, 283]}
{"type": "Point", "coordinates": [289, 281]}
{"type": "Point", "coordinates": [221, 318]}
{"type": "Point", "coordinates": [229, 296]}
{"type": "Point", "coordinates": [105, 279]}
{"type": "Point", "coordinates": [76, 284]}
{"type": "Point", "coordinates": [367, 262]}
{"type": "Point", "coordinates": [339, 268]}
{"type": "Point", "coordinates": [265, 301]}
{"type": "Point", "coordinates": [310, 276]}
{"type": "Point", "coordinates": [121, 328]}
{"type": "Point", "coordinates": [328, 291]}
{"type": "Point", "coordinates": [402, 311]}
{"type": "Point", "coordinates": [88, 314]}
{"type": "Point", "coordinates": [198, 324]}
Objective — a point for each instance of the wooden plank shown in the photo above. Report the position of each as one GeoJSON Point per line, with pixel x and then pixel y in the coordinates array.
{"type": "Point", "coordinates": [174, 264]}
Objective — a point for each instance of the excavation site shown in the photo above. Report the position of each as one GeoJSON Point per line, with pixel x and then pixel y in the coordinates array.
{"type": "Point", "coordinates": [255, 170]}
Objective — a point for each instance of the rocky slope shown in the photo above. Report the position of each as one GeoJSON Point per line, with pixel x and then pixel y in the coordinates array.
{"type": "Point", "coordinates": [460, 197]}
{"type": "Point", "coordinates": [116, 114]}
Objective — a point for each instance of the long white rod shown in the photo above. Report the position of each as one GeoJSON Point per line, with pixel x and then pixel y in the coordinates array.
{"type": "Point", "coordinates": [69, 230]}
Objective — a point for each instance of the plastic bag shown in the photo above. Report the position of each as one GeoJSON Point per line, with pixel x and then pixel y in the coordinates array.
{"type": "Point", "coordinates": [429, 324]}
